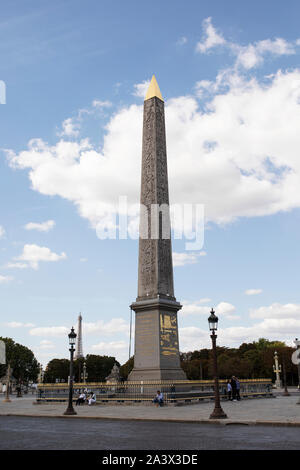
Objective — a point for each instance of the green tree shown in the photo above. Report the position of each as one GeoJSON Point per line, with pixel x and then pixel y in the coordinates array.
{"type": "Point", "coordinates": [246, 347]}
{"type": "Point", "coordinates": [126, 368]}
{"type": "Point", "coordinates": [229, 365]}
{"type": "Point", "coordinates": [99, 367]}
{"type": "Point", "coordinates": [57, 369]}
{"type": "Point", "coordinates": [24, 365]}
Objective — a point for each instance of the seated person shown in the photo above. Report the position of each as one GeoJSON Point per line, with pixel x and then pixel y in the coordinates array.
{"type": "Point", "coordinates": [81, 399]}
{"type": "Point", "coordinates": [159, 399]}
{"type": "Point", "coordinates": [92, 399]}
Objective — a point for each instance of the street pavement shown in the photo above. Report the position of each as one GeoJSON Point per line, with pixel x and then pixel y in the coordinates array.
{"type": "Point", "coordinates": [19, 433]}
{"type": "Point", "coordinates": [268, 411]}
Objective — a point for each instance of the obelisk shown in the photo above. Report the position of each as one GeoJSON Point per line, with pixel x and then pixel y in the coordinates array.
{"type": "Point", "coordinates": [79, 349]}
{"type": "Point", "coordinates": [156, 355]}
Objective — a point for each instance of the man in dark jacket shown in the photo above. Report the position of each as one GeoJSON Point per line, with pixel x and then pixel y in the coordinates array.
{"type": "Point", "coordinates": [233, 386]}
{"type": "Point", "coordinates": [238, 387]}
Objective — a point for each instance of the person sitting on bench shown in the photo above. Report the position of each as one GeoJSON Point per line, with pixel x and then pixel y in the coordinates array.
{"type": "Point", "coordinates": [92, 399]}
{"type": "Point", "coordinates": [159, 399]}
{"type": "Point", "coordinates": [81, 399]}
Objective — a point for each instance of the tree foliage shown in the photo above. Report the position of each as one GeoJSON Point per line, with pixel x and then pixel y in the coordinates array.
{"type": "Point", "coordinates": [57, 369]}
{"type": "Point", "coordinates": [97, 368]}
{"type": "Point", "coordinates": [251, 360]}
{"type": "Point", "coordinates": [24, 365]}
{"type": "Point", "coordinates": [127, 368]}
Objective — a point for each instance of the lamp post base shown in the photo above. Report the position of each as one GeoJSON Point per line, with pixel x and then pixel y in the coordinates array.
{"type": "Point", "coordinates": [70, 411]}
{"type": "Point", "coordinates": [6, 400]}
{"type": "Point", "coordinates": [286, 394]}
{"type": "Point", "coordinates": [218, 413]}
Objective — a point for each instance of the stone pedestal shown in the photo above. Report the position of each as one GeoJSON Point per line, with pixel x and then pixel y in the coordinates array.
{"type": "Point", "coordinates": [278, 384]}
{"type": "Point", "coordinates": [156, 345]}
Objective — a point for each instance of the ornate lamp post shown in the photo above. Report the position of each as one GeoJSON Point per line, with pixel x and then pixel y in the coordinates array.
{"type": "Point", "coordinates": [277, 370]}
{"type": "Point", "coordinates": [72, 338]}
{"type": "Point", "coordinates": [296, 361]}
{"type": "Point", "coordinates": [218, 413]}
{"type": "Point", "coordinates": [7, 399]}
{"type": "Point", "coordinates": [297, 344]}
{"type": "Point", "coordinates": [84, 373]}
{"type": "Point", "coordinates": [40, 374]}
{"type": "Point", "coordinates": [285, 393]}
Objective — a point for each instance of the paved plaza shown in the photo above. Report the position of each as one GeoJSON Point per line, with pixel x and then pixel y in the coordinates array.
{"type": "Point", "coordinates": [268, 411]}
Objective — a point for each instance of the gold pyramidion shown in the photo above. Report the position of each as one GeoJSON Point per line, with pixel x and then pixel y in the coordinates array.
{"type": "Point", "coordinates": [153, 90]}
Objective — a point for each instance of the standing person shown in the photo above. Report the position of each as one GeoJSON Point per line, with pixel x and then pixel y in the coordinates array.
{"type": "Point", "coordinates": [233, 386]}
{"type": "Point", "coordinates": [238, 387]}
{"type": "Point", "coordinates": [229, 390]}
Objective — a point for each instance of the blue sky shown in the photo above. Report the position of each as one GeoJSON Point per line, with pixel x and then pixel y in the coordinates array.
{"type": "Point", "coordinates": [75, 75]}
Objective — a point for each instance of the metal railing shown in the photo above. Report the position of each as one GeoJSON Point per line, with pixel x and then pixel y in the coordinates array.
{"type": "Point", "coordinates": [144, 391]}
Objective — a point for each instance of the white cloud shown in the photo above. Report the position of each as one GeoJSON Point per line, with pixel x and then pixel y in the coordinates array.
{"type": "Point", "coordinates": [248, 56]}
{"type": "Point", "coordinates": [224, 308]}
{"type": "Point", "coordinates": [54, 331]}
{"type": "Point", "coordinates": [140, 89]}
{"type": "Point", "coordinates": [277, 310]}
{"type": "Point", "coordinates": [101, 104]}
{"type": "Point", "coordinates": [205, 300]}
{"type": "Point", "coordinates": [83, 260]}
{"type": "Point", "coordinates": [16, 265]}
{"type": "Point", "coordinates": [211, 37]}
{"type": "Point", "coordinates": [272, 329]}
{"type": "Point", "coordinates": [181, 259]}
{"type": "Point", "coordinates": [16, 324]}
{"type": "Point", "coordinates": [252, 55]}
{"type": "Point", "coordinates": [41, 227]}
{"type": "Point", "coordinates": [45, 345]}
{"type": "Point", "coordinates": [115, 325]}
{"type": "Point", "coordinates": [2, 232]}
{"type": "Point", "coordinates": [253, 291]}
{"type": "Point", "coordinates": [193, 308]}
{"type": "Point", "coordinates": [5, 279]}
{"type": "Point", "coordinates": [70, 128]}
{"type": "Point", "coordinates": [238, 155]}
{"type": "Point", "coordinates": [191, 338]}
{"type": "Point", "coordinates": [112, 348]}
{"type": "Point", "coordinates": [34, 254]}
{"type": "Point", "coordinates": [112, 327]}
{"type": "Point", "coordinates": [232, 317]}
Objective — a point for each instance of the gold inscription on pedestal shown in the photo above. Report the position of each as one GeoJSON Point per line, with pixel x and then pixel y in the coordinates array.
{"type": "Point", "coordinates": [168, 334]}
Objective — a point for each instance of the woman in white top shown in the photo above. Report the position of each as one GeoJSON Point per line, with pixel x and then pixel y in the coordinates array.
{"type": "Point", "coordinates": [229, 389]}
{"type": "Point", "coordinates": [92, 399]}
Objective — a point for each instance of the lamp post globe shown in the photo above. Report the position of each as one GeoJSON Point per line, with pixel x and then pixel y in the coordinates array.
{"type": "Point", "coordinates": [218, 412]}
{"type": "Point", "coordinates": [72, 339]}
{"type": "Point", "coordinates": [213, 321]}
